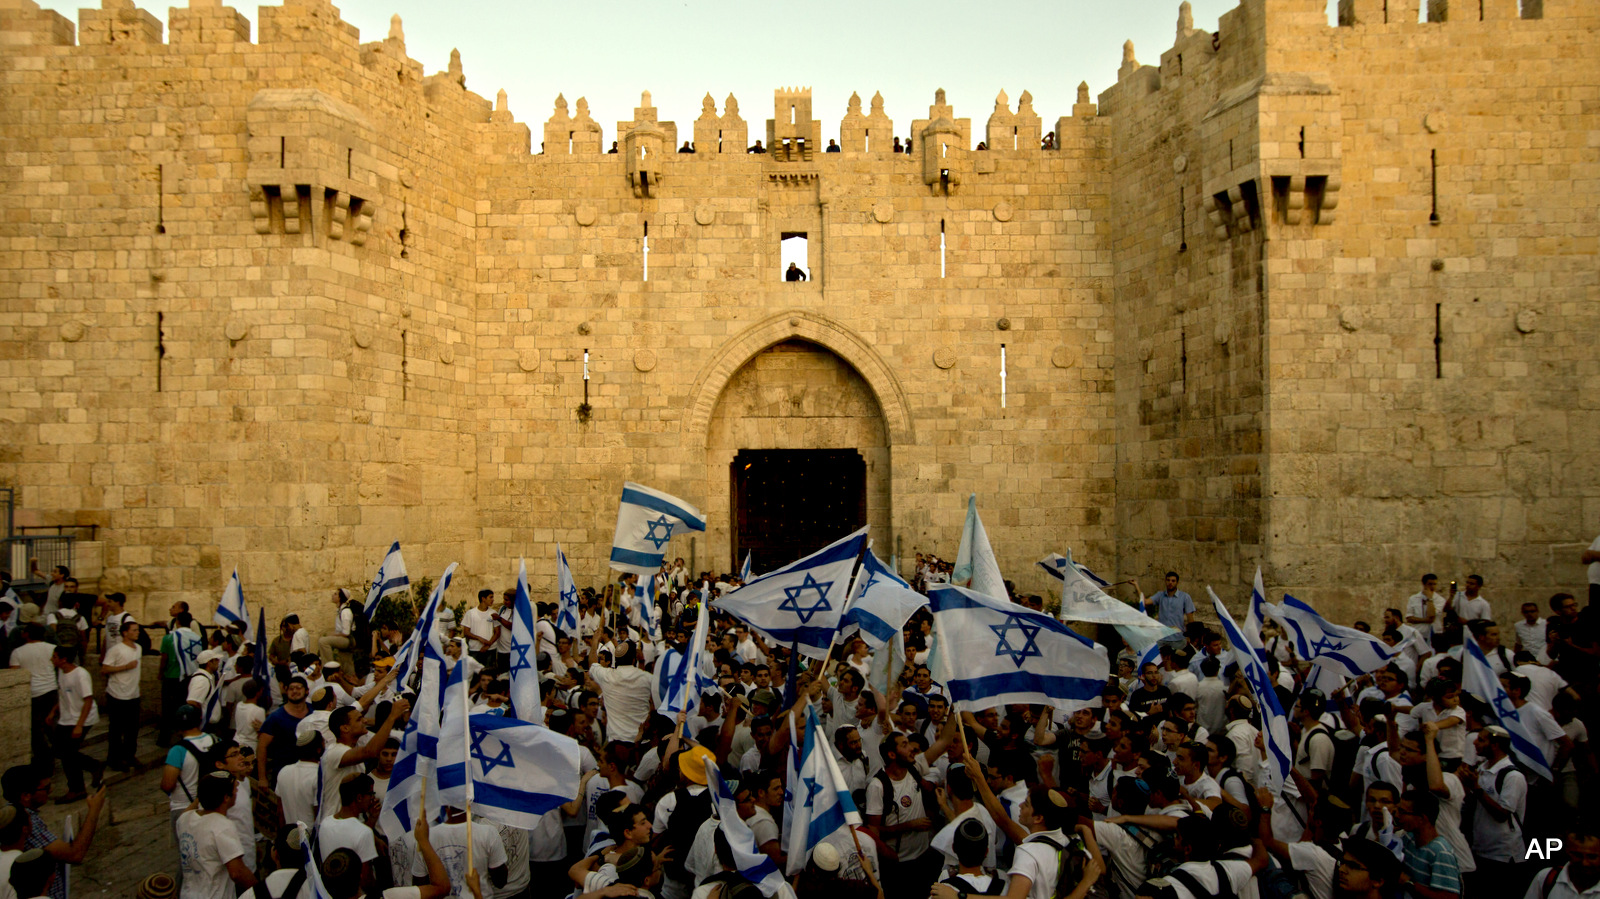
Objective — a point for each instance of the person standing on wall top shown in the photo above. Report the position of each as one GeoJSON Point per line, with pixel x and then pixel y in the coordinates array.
{"type": "Point", "coordinates": [1172, 606]}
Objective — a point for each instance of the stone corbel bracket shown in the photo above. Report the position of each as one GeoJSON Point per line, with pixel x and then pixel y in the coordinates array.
{"type": "Point", "coordinates": [311, 164]}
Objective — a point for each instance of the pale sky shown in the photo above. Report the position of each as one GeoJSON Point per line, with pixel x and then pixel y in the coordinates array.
{"type": "Point", "coordinates": [680, 49]}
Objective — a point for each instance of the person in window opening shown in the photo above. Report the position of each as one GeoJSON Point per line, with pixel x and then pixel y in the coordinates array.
{"type": "Point", "coordinates": [794, 273]}
{"type": "Point", "coordinates": [1050, 141]}
{"type": "Point", "coordinates": [982, 145]}
{"type": "Point", "coordinates": [686, 148]}
{"type": "Point", "coordinates": [757, 148]}
{"type": "Point", "coordinates": [613, 148]}
{"type": "Point", "coordinates": [833, 146]}
{"type": "Point", "coordinates": [897, 147]}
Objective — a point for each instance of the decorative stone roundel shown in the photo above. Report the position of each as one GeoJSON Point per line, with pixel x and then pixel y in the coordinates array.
{"type": "Point", "coordinates": [1527, 321]}
{"type": "Point", "coordinates": [944, 357]}
{"type": "Point", "coordinates": [447, 354]}
{"type": "Point", "coordinates": [883, 211]}
{"type": "Point", "coordinates": [585, 215]}
{"type": "Point", "coordinates": [1003, 211]}
{"type": "Point", "coordinates": [644, 360]}
{"type": "Point", "coordinates": [73, 331]}
{"type": "Point", "coordinates": [1222, 334]}
{"type": "Point", "coordinates": [1180, 164]}
{"type": "Point", "coordinates": [1063, 356]}
{"type": "Point", "coordinates": [362, 337]}
{"type": "Point", "coordinates": [235, 329]}
{"type": "Point", "coordinates": [704, 214]}
{"type": "Point", "coordinates": [528, 360]}
{"type": "Point", "coordinates": [1350, 319]}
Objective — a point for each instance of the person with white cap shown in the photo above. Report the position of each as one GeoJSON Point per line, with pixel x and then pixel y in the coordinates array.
{"type": "Point", "coordinates": [203, 687]}
{"type": "Point", "coordinates": [297, 783]}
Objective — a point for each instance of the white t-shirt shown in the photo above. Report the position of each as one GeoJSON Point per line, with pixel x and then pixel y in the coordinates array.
{"type": "Point", "coordinates": [1204, 787]}
{"type": "Point", "coordinates": [242, 814]}
{"type": "Point", "coordinates": [346, 833]}
{"type": "Point", "coordinates": [35, 659]}
{"type": "Point", "coordinates": [1543, 684]}
{"type": "Point", "coordinates": [1040, 863]}
{"type": "Point", "coordinates": [188, 765]}
{"type": "Point", "coordinates": [1579, 732]}
{"type": "Point", "coordinates": [297, 788]}
{"type": "Point", "coordinates": [1500, 841]}
{"type": "Point", "coordinates": [278, 881]}
{"type": "Point", "coordinates": [904, 805]}
{"type": "Point", "coordinates": [247, 720]}
{"type": "Point", "coordinates": [123, 684]}
{"type": "Point", "coordinates": [113, 627]}
{"type": "Point", "coordinates": [1315, 862]}
{"type": "Point", "coordinates": [944, 841]}
{"type": "Point", "coordinates": [1417, 607]}
{"type": "Point", "coordinates": [625, 694]}
{"type": "Point", "coordinates": [1449, 822]}
{"type": "Point", "coordinates": [332, 777]}
{"type": "Point", "coordinates": [1531, 637]}
{"type": "Point", "coordinates": [201, 685]}
{"type": "Point", "coordinates": [1541, 728]}
{"type": "Point", "coordinates": [76, 689]}
{"type": "Point", "coordinates": [344, 622]}
{"type": "Point", "coordinates": [300, 642]}
{"type": "Point", "coordinates": [206, 843]}
{"type": "Point", "coordinates": [1205, 873]}
{"type": "Point", "coordinates": [450, 841]}
{"type": "Point", "coordinates": [518, 876]}
{"type": "Point", "coordinates": [479, 623]}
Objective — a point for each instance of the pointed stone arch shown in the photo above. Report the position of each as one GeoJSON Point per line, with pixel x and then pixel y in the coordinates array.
{"type": "Point", "coordinates": [797, 325]}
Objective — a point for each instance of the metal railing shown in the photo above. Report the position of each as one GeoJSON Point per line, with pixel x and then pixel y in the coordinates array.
{"type": "Point", "coordinates": [20, 553]}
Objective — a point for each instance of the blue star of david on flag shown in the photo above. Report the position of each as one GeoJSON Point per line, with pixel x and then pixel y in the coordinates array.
{"type": "Point", "coordinates": [1325, 645]}
{"type": "Point", "coordinates": [665, 525]}
{"type": "Point", "coordinates": [502, 758]}
{"type": "Point", "coordinates": [791, 601]}
{"type": "Point", "coordinates": [1504, 708]}
{"type": "Point", "coordinates": [812, 789]}
{"type": "Point", "coordinates": [519, 654]}
{"type": "Point", "coordinates": [1030, 636]}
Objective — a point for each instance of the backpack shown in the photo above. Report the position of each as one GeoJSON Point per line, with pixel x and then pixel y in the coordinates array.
{"type": "Point", "coordinates": [1346, 744]}
{"type": "Point", "coordinates": [1548, 881]}
{"type": "Point", "coordinates": [67, 635]}
{"type": "Point", "coordinates": [1161, 887]}
{"type": "Point", "coordinates": [1277, 882]}
{"type": "Point", "coordinates": [290, 890]}
{"type": "Point", "coordinates": [997, 885]}
{"type": "Point", "coordinates": [930, 800]}
{"type": "Point", "coordinates": [1160, 855]}
{"type": "Point", "coordinates": [1069, 869]}
{"type": "Point", "coordinates": [682, 826]}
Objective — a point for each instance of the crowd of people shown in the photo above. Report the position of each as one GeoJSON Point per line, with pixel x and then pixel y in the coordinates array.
{"type": "Point", "coordinates": [1402, 782]}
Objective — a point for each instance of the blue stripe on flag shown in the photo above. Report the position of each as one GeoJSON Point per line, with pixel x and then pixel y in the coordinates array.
{"type": "Point", "coordinates": [870, 623]}
{"type": "Point", "coordinates": [1053, 685]}
{"type": "Point", "coordinates": [690, 520]}
{"type": "Point", "coordinates": [630, 557]}
{"type": "Point", "coordinates": [951, 600]}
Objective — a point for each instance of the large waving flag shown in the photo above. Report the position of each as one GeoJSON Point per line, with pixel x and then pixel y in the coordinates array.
{"type": "Point", "coordinates": [230, 609]}
{"type": "Point", "coordinates": [821, 802]}
{"type": "Point", "coordinates": [753, 864]}
{"type": "Point", "coordinates": [1480, 680]}
{"type": "Point", "coordinates": [391, 578]}
{"type": "Point", "coordinates": [680, 676]}
{"type": "Point", "coordinates": [1342, 650]}
{"type": "Point", "coordinates": [1274, 723]}
{"type": "Point", "coordinates": [417, 762]}
{"type": "Point", "coordinates": [261, 670]}
{"type": "Point", "coordinates": [801, 603]}
{"type": "Point", "coordinates": [881, 605]}
{"type": "Point", "coordinates": [646, 520]}
{"type": "Point", "coordinates": [975, 565]}
{"type": "Point", "coordinates": [567, 615]}
{"type": "Point", "coordinates": [519, 771]}
{"type": "Point", "coordinates": [1084, 599]}
{"type": "Point", "coordinates": [998, 653]}
{"type": "Point", "coordinates": [525, 705]}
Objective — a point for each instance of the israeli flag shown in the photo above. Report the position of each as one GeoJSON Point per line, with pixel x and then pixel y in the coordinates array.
{"type": "Point", "coordinates": [261, 669]}
{"type": "Point", "coordinates": [744, 572]}
{"type": "Point", "coordinates": [644, 599]}
{"type": "Point", "coordinates": [319, 890]}
{"type": "Point", "coordinates": [887, 663]}
{"type": "Point", "coordinates": [517, 771]}
{"type": "Point", "coordinates": [1255, 616]}
{"type": "Point", "coordinates": [1480, 680]}
{"type": "Point", "coordinates": [230, 609]}
{"type": "Point", "coordinates": [1150, 656]}
{"type": "Point", "coordinates": [567, 615]}
{"type": "Point", "coordinates": [680, 676]}
{"type": "Point", "coordinates": [1343, 650]}
{"type": "Point", "coordinates": [975, 565]}
{"type": "Point", "coordinates": [646, 520]}
{"type": "Point", "coordinates": [753, 864]}
{"type": "Point", "coordinates": [391, 578]}
{"type": "Point", "coordinates": [1084, 599]}
{"type": "Point", "coordinates": [1006, 654]}
{"type": "Point", "coordinates": [820, 803]}
{"type": "Point", "coordinates": [1274, 723]}
{"type": "Point", "coordinates": [881, 605]}
{"type": "Point", "coordinates": [801, 603]}
{"type": "Point", "coordinates": [187, 646]}
{"type": "Point", "coordinates": [417, 761]}
{"type": "Point", "coordinates": [525, 705]}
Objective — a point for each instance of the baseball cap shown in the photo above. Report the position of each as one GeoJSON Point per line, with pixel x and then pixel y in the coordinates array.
{"type": "Point", "coordinates": [209, 656]}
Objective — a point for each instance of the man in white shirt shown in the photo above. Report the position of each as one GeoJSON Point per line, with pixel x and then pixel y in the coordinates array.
{"type": "Point", "coordinates": [1425, 610]}
{"type": "Point", "coordinates": [340, 759]}
{"type": "Point", "coordinates": [625, 692]}
{"type": "Point", "coordinates": [1200, 788]}
{"type": "Point", "coordinates": [34, 656]}
{"type": "Point", "coordinates": [1502, 794]}
{"type": "Point", "coordinates": [115, 615]}
{"type": "Point", "coordinates": [204, 685]}
{"type": "Point", "coordinates": [450, 839]}
{"type": "Point", "coordinates": [120, 668]}
{"type": "Point", "coordinates": [1470, 605]}
{"type": "Point", "coordinates": [1547, 736]}
{"type": "Point", "coordinates": [347, 828]}
{"type": "Point", "coordinates": [478, 626]}
{"type": "Point", "coordinates": [296, 787]}
{"type": "Point", "coordinates": [74, 714]}
{"type": "Point", "coordinates": [895, 812]}
{"type": "Point", "coordinates": [210, 857]}
{"type": "Point", "coordinates": [1531, 632]}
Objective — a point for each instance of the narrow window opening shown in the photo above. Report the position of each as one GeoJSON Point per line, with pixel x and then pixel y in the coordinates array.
{"type": "Point", "coordinates": [646, 248]}
{"type": "Point", "coordinates": [793, 116]}
{"type": "Point", "coordinates": [1425, 11]}
{"type": "Point", "coordinates": [794, 260]}
{"type": "Point", "coordinates": [1183, 220]}
{"type": "Point", "coordinates": [941, 248]}
{"type": "Point", "coordinates": [1438, 342]}
{"type": "Point", "coordinates": [1302, 143]}
{"type": "Point", "coordinates": [570, 136]}
{"type": "Point", "coordinates": [869, 142]}
{"type": "Point", "coordinates": [1014, 138]}
{"type": "Point", "coordinates": [719, 141]}
{"type": "Point", "coordinates": [349, 163]}
{"type": "Point", "coordinates": [283, 144]}
{"type": "Point", "coordinates": [944, 150]}
{"type": "Point", "coordinates": [161, 199]}
{"type": "Point", "coordinates": [1433, 176]}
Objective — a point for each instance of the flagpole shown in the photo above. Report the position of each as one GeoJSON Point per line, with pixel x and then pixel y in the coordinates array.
{"type": "Point", "coordinates": [849, 596]}
{"type": "Point", "coordinates": [949, 675]}
{"type": "Point", "coordinates": [466, 744]}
